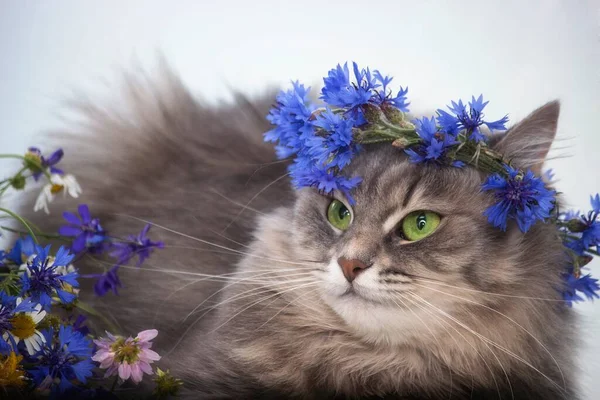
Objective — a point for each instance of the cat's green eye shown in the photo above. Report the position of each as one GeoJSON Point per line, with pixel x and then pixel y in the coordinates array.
{"type": "Point", "coordinates": [338, 215]}
{"type": "Point", "coordinates": [419, 224]}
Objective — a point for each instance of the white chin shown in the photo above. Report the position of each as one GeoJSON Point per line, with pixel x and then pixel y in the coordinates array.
{"type": "Point", "coordinates": [374, 321]}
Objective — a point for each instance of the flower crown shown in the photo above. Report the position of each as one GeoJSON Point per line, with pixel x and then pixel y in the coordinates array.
{"type": "Point", "coordinates": [323, 140]}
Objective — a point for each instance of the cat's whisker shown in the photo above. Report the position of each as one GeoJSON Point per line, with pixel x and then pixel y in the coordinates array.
{"type": "Point", "coordinates": [252, 199]}
{"type": "Point", "coordinates": [279, 277]}
{"type": "Point", "coordinates": [508, 318]}
{"type": "Point", "coordinates": [486, 293]}
{"type": "Point", "coordinates": [235, 202]}
{"type": "Point", "coordinates": [437, 317]}
{"type": "Point", "coordinates": [437, 320]}
{"type": "Point", "coordinates": [307, 306]}
{"type": "Point", "coordinates": [272, 271]}
{"type": "Point", "coordinates": [229, 239]}
{"type": "Point", "coordinates": [286, 306]}
{"type": "Point", "coordinates": [484, 342]}
{"type": "Point", "coordinates": [218, 278]}
{"type": "Point", "coordinates": [213, 244]}
{"type": "Point", "coordinates": [260, 301]}
{"type": "Point", "coordinates": [417, 317]}
{"type": "Point", "coordinates": [491, 342]}
{"type": "Point", "coordinates": [305, 263]}
{"type": "Point", "coordinates": [232, 275]}
{"type": "Point", "coordinates": [265, 288]}
{"type": "Point", "coordinates": [285, 160]}
{"type": "Point", "coordinates": [203, 250]}
{"type": "Point", "coordinates": [433, 335]}
{"type": "Point", "coordinates": [240, 296]}
{"type": "Point", "coordinates": [198, 319]}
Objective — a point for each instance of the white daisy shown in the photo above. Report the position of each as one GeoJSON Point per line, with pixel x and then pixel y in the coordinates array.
{"type": "Point", "coordinates": [24, 328]}
{"type": "Point", "coordinates": [58, 183]}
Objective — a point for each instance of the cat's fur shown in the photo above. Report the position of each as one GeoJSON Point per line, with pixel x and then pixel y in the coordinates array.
{"type": "Point", "coordinates": [483, 319]}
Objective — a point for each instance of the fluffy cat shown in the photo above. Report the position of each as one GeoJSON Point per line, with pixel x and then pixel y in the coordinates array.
{"type": "Point", "coordinates": [248, 294]}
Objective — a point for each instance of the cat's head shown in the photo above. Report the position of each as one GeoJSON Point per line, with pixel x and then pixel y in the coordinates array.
{"type": "Point", "coordinates": [416, 242]}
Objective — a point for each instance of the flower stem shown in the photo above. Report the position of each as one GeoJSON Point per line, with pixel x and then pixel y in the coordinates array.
{"type": "Point", "coordinates": [380, 134]}
{"type": "Point", "coordinates": [22, 221]}
{"type": "Point", "coordinates": [12, 156]}
{"type": "Point", "coordinates": [397, 129]}
{"type": "Point", "coordinates": [35, 163]}
{"type": "Point", "coordinates": [18, 173]}
{"type": "Point", "coordinates": [41, 234]}
{"type": "Point", "coordinates": [376, 140]}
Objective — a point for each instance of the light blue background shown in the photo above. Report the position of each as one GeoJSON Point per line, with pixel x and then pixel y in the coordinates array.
{"type": "Point", "coordinates": [519, 54]}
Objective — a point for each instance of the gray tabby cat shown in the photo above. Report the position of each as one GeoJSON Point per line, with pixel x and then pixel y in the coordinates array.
{"type": "Point", "coordinates": [249, 296]}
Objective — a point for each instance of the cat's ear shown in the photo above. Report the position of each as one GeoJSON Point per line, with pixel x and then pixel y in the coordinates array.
{"type": "Point", "coordinates": [527, 143]}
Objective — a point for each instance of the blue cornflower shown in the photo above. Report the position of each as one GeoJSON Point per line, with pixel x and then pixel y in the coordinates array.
{"type": "Point", "coordinates": [87, 230]}
{"type": "Point", "coordinates": [140, 245]}
{"type": "Point", "coordinates": [434, 143]}
{"type": "Point", "coordinates": [42, 279]}
{"type": "Point", "coordinates": [591, 236]}
{"type": "Point", "coordinates": [338, 147]}
{"type": "Point", "coordinates": [22, 250]}
{"type": "Point", "coordinates": [521, 196]}
{"type": "Point", "coordinates": [46, 163]}
{"type": "Point", "coordinates": [469, 120]}
{"type": "Point", "coordinates": [585, 284]}
{"type": "Point", "coordinates": [292, 119]}
{"type": "Point", "coordinates": [385, 97]}
{"type": "Point", "coordinates": [8, 308]}
{"type": "Point", "coordinates": [64, 359]}
{"type": "Point", "coordinates": [595, 201]}
{"type": "Point", "coordinates": [108, 281]}
{"type": "Point", "coordinates": [587, 228]}
{"type": "Point", "coordinates": [340, 92]}
{"type": "Point", "coordinates": [325, 181]}
{"type": "Point", "coordinates": [448, 122]}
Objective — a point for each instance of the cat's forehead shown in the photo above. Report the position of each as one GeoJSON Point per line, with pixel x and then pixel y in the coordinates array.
{"type": "Point", "coordinates": [390, 182]}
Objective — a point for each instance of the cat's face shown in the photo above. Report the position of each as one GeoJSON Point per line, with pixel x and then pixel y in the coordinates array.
{"type": "Point", "coordinates": [387, 286]}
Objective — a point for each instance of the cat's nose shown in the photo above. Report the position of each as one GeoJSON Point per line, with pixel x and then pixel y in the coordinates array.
{"type": "Point", "coordinates": [351, 268]}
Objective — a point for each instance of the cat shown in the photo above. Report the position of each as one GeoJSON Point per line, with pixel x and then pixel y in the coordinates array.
{"type": "Point", "coordinates": [249, 294]}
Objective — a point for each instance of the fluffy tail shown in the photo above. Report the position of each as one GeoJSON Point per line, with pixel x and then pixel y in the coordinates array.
{"type": "Point", "coordinates": [158, 154]}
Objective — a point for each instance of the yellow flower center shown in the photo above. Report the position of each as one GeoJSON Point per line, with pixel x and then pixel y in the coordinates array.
{"type": "Point", "coordinates": [125, 351]}
{"type": "Point", "coordinates": [10, 372]}
{"type": "Point", "coordinates": [22, 326]}
{"type": "Point", "coordinates": [56, 188]}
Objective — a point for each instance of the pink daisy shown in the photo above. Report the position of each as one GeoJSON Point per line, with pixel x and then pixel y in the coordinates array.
{"type": "Point", "coordinates": [130, 357]}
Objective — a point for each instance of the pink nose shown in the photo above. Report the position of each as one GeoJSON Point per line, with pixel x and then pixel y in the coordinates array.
{"type": "Point", "coordinates": [351, 268]}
